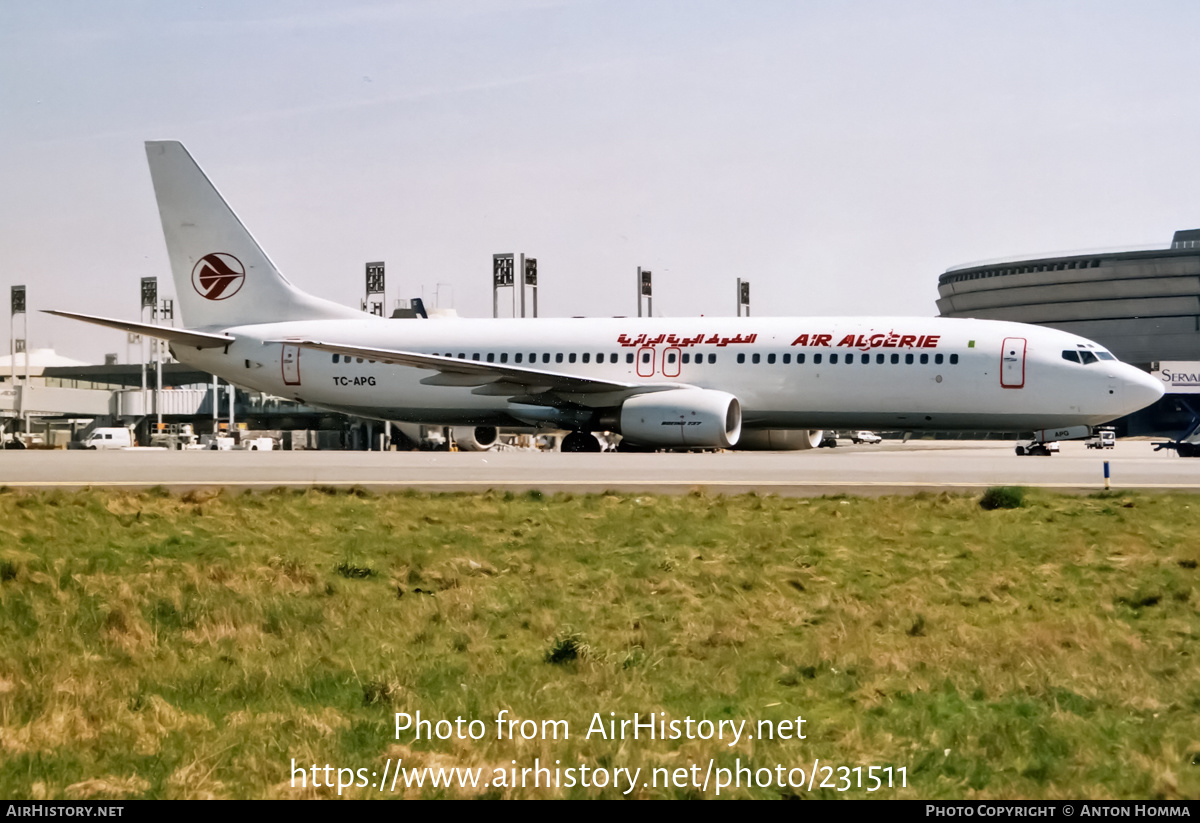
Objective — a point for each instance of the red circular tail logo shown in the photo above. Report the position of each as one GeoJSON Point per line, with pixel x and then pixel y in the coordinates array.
{"type": "Point", "coordinates": [218, 276]}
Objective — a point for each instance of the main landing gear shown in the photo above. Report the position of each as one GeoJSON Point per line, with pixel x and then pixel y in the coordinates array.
{"type": "Point", "coordinates": [578, 441]}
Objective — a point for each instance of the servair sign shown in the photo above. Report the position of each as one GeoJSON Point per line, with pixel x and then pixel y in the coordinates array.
{"type": "Point", "coordinates": [1179, 376]}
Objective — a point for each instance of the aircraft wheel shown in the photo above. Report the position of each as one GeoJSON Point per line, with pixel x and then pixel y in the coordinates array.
{"type": "Point", "coordinates": [580, 442]}
{"type": "Point", "coordinates": [1020, 451]}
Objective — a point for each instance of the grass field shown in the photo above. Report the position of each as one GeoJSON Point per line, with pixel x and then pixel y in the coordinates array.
{"type": "Point", "coordinates": [161, 646]}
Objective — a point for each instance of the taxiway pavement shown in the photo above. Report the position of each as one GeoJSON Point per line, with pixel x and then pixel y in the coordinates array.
{"type": "Point", "coordinates": [888, 468]}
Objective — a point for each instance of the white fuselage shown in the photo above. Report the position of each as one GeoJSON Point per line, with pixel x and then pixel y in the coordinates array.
{"type": "Point", "coordinates": [787, 373]}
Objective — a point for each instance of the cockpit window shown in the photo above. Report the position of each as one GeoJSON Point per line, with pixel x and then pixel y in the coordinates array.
{"type": "Point", "coordinates": [1071, 355]}
{"type": "Point", "coordinates": [1103, 355]}
{"type": "Point", "coordinates": [1087, 357]}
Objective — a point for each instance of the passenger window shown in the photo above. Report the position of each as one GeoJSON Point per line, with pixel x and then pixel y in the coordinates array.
{"type": "Point", "coordinates": [491, 357]}
{"type": "Point", "coordinates": [754, 359]}
{"type": "Point", "coordinates": [879, 359]}
{"type": "Point", "coordinates": [517, 357]}
{"type": "Point", "coordinates": [612, 358]}
{"type": "Point", "coordinates": [908, 358]}
{"type": "Point", "coordinates": [741, 358]}
{"type": "Point", "coordinates": [645, 357]}
{"type": "Point", "coordinates": [558, 357]}
{"type": "Point", "coordinates": [336, 357]}
{"type": "Point", "coordinates": [587, 356]}
{"type": "Point", "coordinates": [770, 358]}
{"type": "Point", "coordinates": [629, 357]}
{"type": "Point", "coordinates": [895, 359]}
{"type": "Point", "coordinates": [684, 358]}
{"type": "Point", "coordinates": [800, 359]}
{"type": "Point", "coordinates": [1072, 355]}
{"type": "Point", "coordinates": [832, 359]}
{"type": "Point", "coordinates": [359, 359]}
{"type": "Point", "coordinates": [817, 359]}
{"type": "Point", "coordinates": [671, 357]}
{"type": "Point", "coordinates": [462, 356]}
{"type": "Point", "coordinates": [924, 359]}
{"type": "Point", "coordinates": [545, 357]}
{"type": "Point", "coordinates": [712, 358]}
{"type": "Point", "coordinates": [600, 357]}
{"type": "Point", "coordinates": [571, 357]}
{"type": "Point", "coordinates": [954, 360]}
{"type": "Point", "coordinates": [1087, 357]}
{"type": "Point", "coordinates": [787, 358]}
{"type": "Point", "coordinates": [504, 357]}
{"type": "Point", "coordinates": [475, 356]}
{"type": "Point", "coordinates": [849, 358]}
{"type": "Point", "coordinates": [937, 359]}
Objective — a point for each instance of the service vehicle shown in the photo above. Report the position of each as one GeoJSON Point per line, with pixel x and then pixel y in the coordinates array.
{"type": "Point", "coordinates": [109, 437]}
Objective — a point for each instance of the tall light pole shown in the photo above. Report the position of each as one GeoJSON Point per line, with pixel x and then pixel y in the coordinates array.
{"type": "Point", "coordinates": [375, 285]}
{"type": "Point", "coordinates": [743, 297]}
{"type": "Point", "coordinates": [149, 301]}
{"type": "Point", "coordinates": [502, 277]}
{"type": "Point", "coordinates": [17, 345]}
{"type": "Point", "coordinates": [530, 268]}
{"type": "Point", "coordinates": [645, 290]}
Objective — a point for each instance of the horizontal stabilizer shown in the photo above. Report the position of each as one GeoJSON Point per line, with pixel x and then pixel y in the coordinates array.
{"type": "Point", "coordinates": [195, 339]}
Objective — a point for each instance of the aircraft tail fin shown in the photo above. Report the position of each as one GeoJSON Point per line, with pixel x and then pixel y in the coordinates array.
{"type": "Point", "coordinates": [222, 276]}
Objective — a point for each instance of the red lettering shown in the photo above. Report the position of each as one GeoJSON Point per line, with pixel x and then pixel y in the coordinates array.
{"type": "Point", "coordinates": [931, 342]}
{"type": "Point", "coordinates": [877, 340]}
{"type": "Point", "coordinates": [822, 339]}
{"type": "Point", "coordinates": [802, 340]}
{"type": "Point", "coordinates": [848, 340]}
{"type": "Point", "coordinates": [907, 340]}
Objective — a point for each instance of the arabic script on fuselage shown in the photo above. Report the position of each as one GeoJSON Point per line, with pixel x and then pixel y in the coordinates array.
{"type": "Point", "coordinates": [865, 342]}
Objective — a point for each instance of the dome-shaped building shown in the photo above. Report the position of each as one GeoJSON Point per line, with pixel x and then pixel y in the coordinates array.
{"type": "Point", "coordinates": [1141, 304]}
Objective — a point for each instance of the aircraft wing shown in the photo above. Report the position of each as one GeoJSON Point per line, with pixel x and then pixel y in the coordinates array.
{"type": "Point", "coordinates": [489, 378]}
{"type": "Point", "coordinates": [195, 339]}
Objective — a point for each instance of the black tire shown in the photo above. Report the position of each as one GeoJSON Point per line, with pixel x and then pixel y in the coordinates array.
{"type": "Point", "coordinates": [580, 442]}
{"type": "Point", "coordinates": [1020, 451]}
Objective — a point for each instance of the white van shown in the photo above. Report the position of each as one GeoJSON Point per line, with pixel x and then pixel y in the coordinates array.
{"type": "Point", "coordinates": [109, 438]}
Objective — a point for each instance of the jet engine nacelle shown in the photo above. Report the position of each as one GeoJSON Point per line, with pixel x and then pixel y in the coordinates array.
{"type": "Point", "coordinates": [780, 440]}
{"type": "Point", "coordinates": [475, 438]}
{"type": "Point", "coordinates": [682, 418]}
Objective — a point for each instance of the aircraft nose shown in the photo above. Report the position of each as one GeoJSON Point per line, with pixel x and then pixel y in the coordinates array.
{"type": "Point", "coordinates": [1138, 388]}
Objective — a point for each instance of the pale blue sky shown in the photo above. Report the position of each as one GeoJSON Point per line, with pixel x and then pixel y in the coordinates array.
{"type": "Point", "coordinates": [839, 155]}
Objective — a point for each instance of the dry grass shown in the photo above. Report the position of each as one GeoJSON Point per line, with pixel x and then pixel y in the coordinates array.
{"type": "Point", "coordinates": [155, 646]}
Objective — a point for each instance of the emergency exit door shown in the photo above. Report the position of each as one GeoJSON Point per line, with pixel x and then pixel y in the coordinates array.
{"type": "Point", "coordinates": [1012, 363]}
{"type": "Point", "coordinates": [291, 365]}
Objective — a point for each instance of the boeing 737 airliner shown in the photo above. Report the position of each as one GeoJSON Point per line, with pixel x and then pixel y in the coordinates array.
{"type": "Point", "coordinates": [688, 382]}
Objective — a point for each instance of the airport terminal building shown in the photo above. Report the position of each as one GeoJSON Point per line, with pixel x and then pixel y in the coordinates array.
{"type": "Point", "coordinates": [1143, 305]}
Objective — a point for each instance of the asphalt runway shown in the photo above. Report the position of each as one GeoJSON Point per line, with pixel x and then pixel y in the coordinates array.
{"type": "Point", "coordinates": [889, 468]}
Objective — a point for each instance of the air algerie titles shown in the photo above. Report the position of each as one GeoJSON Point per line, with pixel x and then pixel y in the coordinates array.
{"type": "Point", "coordinates": [891, 340]}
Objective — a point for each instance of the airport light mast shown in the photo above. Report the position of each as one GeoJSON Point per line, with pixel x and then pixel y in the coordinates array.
{"type": "Point", "coordinates": [149, 301]}
{"type": "Point", "coordinates": [375, 286]}
{"type": "Point", "coordinates": [645, 290]}
{"type": "Point", "coordinates": [502, 277]}
{"type": "Point", "coordinates": [743, 297]}
{"type": "Point", "coordinates": [19, 345]}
